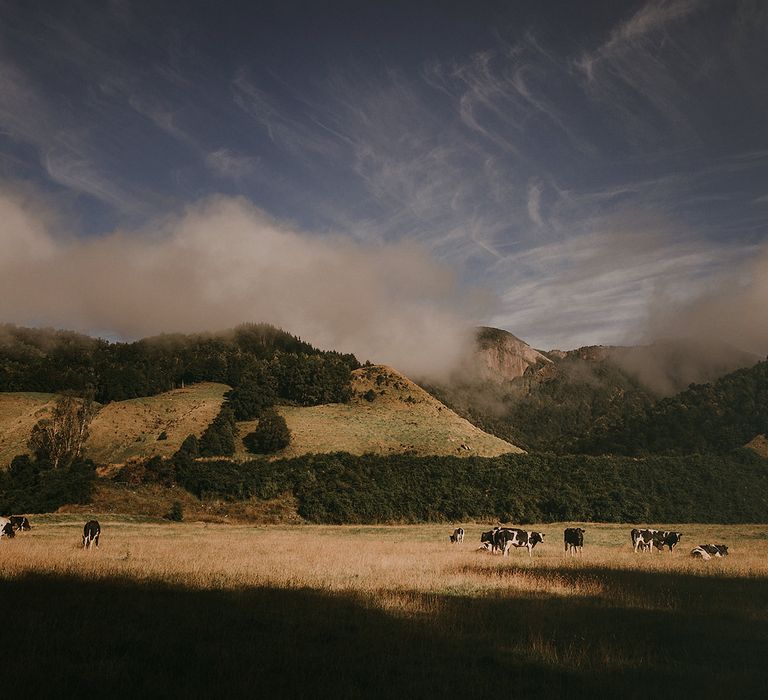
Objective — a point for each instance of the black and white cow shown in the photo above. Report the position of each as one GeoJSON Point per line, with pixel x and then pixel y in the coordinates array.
{"type": "Point", "coordinates": [507, 537]}
{"type": "Point", "coordinates": [573, 537]}
{"type": "Point", "coordinates": [666, 538]}
{"type": "Point", "coordinates": [6, 529]}
{"type": "Point", "coordinates": [642, 538]}
{"type": "Point", "coordinates": [20, 522]}
{"type": "Point", "coordinates": [707, 551]}
{"type": "Point", "coordinates": [458, 535]}
{"type": "Point", "coordinates": [91, 533]}
{"type": "Point", "coordinates": [487, 540]}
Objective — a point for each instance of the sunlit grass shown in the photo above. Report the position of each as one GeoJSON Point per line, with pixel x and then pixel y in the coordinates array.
{"type": "Point", "coordinates": [442, 613]}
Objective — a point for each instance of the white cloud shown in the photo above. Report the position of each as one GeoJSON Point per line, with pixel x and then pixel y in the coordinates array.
{"type": "Point", "coordinates": [225, 262]}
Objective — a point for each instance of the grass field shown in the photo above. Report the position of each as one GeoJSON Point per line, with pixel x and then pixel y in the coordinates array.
{"type": "Point", "coordinates": [194, 609]}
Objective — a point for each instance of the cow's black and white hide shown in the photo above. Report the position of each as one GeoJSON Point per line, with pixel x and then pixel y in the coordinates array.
{"type": "Point", "coordinates": [666, 538]}
{"type": "Point", "coordinates": [699, 553]}
{"type": "Point", "coordinates": [507, 537]}
{"type": "Point", "coordinates": [6, 529]}
{"type": "Point", "coordinates": [715, 550]}
{"type": "Point", "coordinates": [573, 538]}
{"type": "Point", "coordinates": [458, 535]}
{"type": "Point", "coordinates": [20, 522]}
{"type": "Point", "coordinates": [487, 540]}
{"type": "Point", "coordinates": [91, 532]}
{"type": "Point", "coordinates": [642, 539]}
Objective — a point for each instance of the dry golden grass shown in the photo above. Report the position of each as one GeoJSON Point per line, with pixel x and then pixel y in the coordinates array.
{"type": "Point", "coordinates": [402, 417]}
{"type": "Point", "coordinates": [19, 411]}
{"type": "Point", "coordinates": [123, 430]}
{"type": "Point", "coordinates": [366, 559]}
{"type": "Point", "coordinates": [391, 611]}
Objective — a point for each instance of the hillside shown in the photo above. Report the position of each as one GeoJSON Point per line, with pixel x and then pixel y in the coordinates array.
{"type": "Point", "coordinates": [125, 429]}
{"type": "Point", "coordinates": [559, 400]}
{"type": "Point", "coordinates": [18, 414]}
{"type": "Point", "coordinates": [387, 414]}
{"type": "Point", "coordinates": [717, 417]}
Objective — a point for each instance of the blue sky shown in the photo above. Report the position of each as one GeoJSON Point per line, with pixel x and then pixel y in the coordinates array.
{"type": "Point", "coordinates": [583, 166]}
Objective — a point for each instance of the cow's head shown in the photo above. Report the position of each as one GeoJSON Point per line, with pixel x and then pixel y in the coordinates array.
{"type": "Point", "coordinates": [535, 537]}
{"type": "Point", "coordinates": [723, 549]}
{"type": "Point", "coordinates": [487, 536]}
{"type": "Point", "coordinates": [8, 530]}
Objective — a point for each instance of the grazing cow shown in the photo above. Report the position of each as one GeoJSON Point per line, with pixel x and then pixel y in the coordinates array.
{"type": "Point", "coordinates": [458, 535]}
{"type": "Point", "coordinates": [6, 529]}
{"type": "Point", "coordinates": [91, 533]}
{"type": "Point", "coordinates": [20, 522]}
{"type": "Point", "coordinates": [487, 539]}
{"type": "Point", "coordinates": [715, 550]}
{"type": "Point", "coordinates": [666, 539]}
{"type": "Point", "coordinates": [573, 537]}
{"type": "Point", "coordinates": [642, 539]}
{"type": "Point", "coordinates": [507, 537]}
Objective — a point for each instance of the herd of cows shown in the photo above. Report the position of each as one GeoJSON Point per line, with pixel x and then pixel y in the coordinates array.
{"type": "Point", "coordinates": [502, 539]}
{"type": "Point", "coordinates": [499, 540]}
{"type": "Point", "coordinates": [20, 523]}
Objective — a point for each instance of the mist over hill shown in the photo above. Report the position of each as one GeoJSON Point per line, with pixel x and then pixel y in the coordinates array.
{"type": "Point", "coordinates": [556, 400]}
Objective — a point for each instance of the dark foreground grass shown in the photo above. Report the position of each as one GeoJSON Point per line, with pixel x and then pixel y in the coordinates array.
{"type": "Point", "coordinates": [71, 637]}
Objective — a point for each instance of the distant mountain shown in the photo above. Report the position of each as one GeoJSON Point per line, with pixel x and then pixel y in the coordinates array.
{"type": "Point", "coordinates": [498, 357]}
{"type": "Point", "coordinates": [556, 400]}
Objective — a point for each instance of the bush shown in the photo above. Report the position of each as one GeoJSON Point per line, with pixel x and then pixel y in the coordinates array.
{"type": "Point", "coordinates": [271, 435]}
{"type": "Point", "coordinates": [176, 514]}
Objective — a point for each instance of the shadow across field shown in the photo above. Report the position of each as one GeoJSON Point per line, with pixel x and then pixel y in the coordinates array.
{"type": "Point", "coordinates": [115, 638]}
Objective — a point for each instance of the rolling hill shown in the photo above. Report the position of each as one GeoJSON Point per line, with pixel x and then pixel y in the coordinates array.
{"type": "Point", "coordinates": [19, 411]}
{"type": "Point", "coordinates": [387, 414]}
{"type": "Point", "coordinates": [125, 429]}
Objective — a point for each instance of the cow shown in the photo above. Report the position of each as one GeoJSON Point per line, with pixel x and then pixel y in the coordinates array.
{"type": "Point", "coordinates": [642, 539]}
{"type": "Point", "coordinates": [91, 532]}
{"type": "Point", "coordinates": [487, 540]}
{"type": "Point", "coordinates": [6, 529]}
{"type": "Point", "coordinates": [714, 550]}
{"type": "Point", "coordinates": [458, 535]}
{"type": "Point", "coordinates": [507, 537]}
{"type": "Point", "coordinates": [20, 522]}
{"type": "Point", "coordinates": [666, 538]}
{"type": "Point", "coordinates": [573, 537]}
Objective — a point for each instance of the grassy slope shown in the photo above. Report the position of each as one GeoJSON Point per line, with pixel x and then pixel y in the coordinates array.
{"type": "Point", "coordinates": [19, 411]}
{"type": "Point", "coordinates": [401, 418]}
{"type": "Point", "coordinates": [759, 444]}
{"type": "Point", "coordinates": [378, 612]}
{"type": "Point", "coordinates": [126, 429]}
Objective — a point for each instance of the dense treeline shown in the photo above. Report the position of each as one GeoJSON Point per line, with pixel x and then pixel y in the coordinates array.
{"type": "Point", "coordinates": [343, 488]}
{"type": "Point", "coordinates": [715, 418]}
{"type": "Point", "coordinates": [54, 361]}
{"type": "Point", "coordinates": [34, 485]}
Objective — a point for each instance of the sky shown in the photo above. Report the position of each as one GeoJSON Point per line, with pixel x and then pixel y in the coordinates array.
{"type": "Point", "coordinates": [366, 174]}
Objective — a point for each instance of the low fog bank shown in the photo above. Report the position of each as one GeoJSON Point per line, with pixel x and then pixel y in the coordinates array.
{"type": "Point", "coordinates": [722, 329]}
{"type": "Point", "coordinates": [224, 262]}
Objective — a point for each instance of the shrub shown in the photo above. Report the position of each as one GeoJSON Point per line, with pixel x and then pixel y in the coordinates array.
{"type": "Point", "coordinates": [271, 435]}
{"type": "Point", "coordinates": [176, 513]}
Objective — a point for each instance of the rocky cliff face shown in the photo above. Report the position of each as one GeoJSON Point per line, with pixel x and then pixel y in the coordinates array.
{"type": "Point", "coordinates": [500, 357]}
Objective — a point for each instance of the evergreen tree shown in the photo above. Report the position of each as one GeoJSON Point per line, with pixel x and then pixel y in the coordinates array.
{"type": "Point", "coordinates": [271, 435]}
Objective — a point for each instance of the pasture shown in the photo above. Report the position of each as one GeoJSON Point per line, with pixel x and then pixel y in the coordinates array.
{"type": "Point", "coordinates": [197, 609]}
